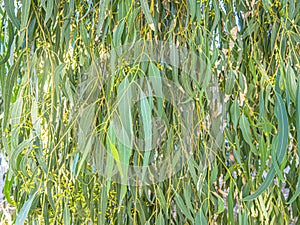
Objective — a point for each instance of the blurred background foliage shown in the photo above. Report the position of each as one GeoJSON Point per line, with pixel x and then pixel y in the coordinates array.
{"type": "Point", "coordinates": [250, 48]}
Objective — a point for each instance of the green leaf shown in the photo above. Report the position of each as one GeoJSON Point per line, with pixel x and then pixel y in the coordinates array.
{"type": "Point", "coordinates": [283, 132]}
{"type": "Point", "coordinates": [243, 218]}
{"type": "Point", "coordinates": [263, 186]}
{"type": "Point", "coordinates": [24, 20]}
{"type": "Point", "coordinates": [147, 128]}
{"type": "Point", "coordinates": [217, 15]}
{"type": "Point", "coordinates": [160, 219]}
{"type": "Point", "coordinates": [10, 9]}
{"type": "Point", "coordinates": [261, 105]}
{"type": "Point", "coordinates": [290, 80]}
{"type": "Point", "coordinates": [67, 215]}
{"type": "Point", "coordinates": [151, 22]}
{"type": "Point", "coordinates": [157, 82]}
{"type": "Point", "coordinates": [297, 192]}
{"type": "Point", "coordinates": [281, 115]}
{"type": "Point", "coordinates": [229, 84]}
{"type": "Point", "coordinates": [123, 122]}
{"type": "Point", "coordinates": [14, 158]}
{"type": "Point", "coordinates": [214, 174]}
{"type": "Point", "coordinates": [115, 154]}
{"type": "Point", "coordinates": [298, 115]}
{"type": "Point", "coordinates": [161, 199]}
{"type": "Point", "coordinates": [22, 215]}
{"type": "Point", "coordinates": [182, 207]}
{"type": "Point", "coordinates": [10, 41]}
{"type": "Point", "coordinates": [9, 84]}
{"type": "Point", "coordinates": [274, 34]}
{"type": "Point", "coordinates": [16, 115]}
{"type": "Point", "coordinates": [231, 203]}
{"type": "Point", "coordinates": [192, 8]}
{"type": "Point", "coordinates": [7, 189]}
{"type": "Point", "coordinates": [84, 35]}
{"type": "Point", "coordinates": [200, 218]}
{"type": "Point", "coordinates": [141, 208]}
{"type": "Point", "coordinates": [249, 28]}
{"type": "Point", "coordinates": [263, 154]}
{"type": "Point", "coordinates": [187, 193]}
{"type": "Point", "coordinates": [221, 205]}
{"type": "Point", "coordinates": [235, 114]}
{"type": "Point", "coordinates": [49, 11]}
{"type": "Point", "coordinates": [237, 151]}
{"type": "Point", "coordinates": [245, 127]}
{"type": "Point", "coordinates": [117, 35]}
{"type": "Point", "coordinates": [102, 11]}
{"type": "Point", "coordinates": [85, 152]}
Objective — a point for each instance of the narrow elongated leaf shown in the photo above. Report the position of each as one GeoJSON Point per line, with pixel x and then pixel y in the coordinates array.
{"type": "Point", "coordinates": [49, 11]}
{"type": "Point", "coordinates": [182, 207]}
{"type": "Point", "coordinates": [290, 80]}
{"type": "Point", "coordinates": [192, 8]}
{"type": "Point", "coordinates": [115, 154]}
{"type": "Point", "coordinates": [200, 218]}
{"type": "Point", "coordinates": [261, 105]}
{"type": "Point", "coordinates": [245, 127]}
{"type": "Point", "coordinates": [162, 199]}
{"type": "Point", "coordinates": [235, 113]}
{"type": "Point", "coordinates": [217, 15]}
{"type": "Point", "coordinates": [7, 189]}
{"type": "Point", "coordinates": [147, 128]}
{"type": "Point", "coordinates": [85, 153]}
{"type": "Point", "coordinates": [9, 84]}
{"type": "Point", "coordinates": [67, 217]}
{"type": "Point", "coordinates": [297, 192]}
{"type": "Point", "coordinates": [221, 205]}
{"type": "Point", "coordinates": [10, 41]}
{"type": "Point", "coordinates": [10, 9]}
{"type": "Point", "coordinates": [84, 35]}
{"type": "Point", "coordinates": [102, 11]}
{"type": "Point", "coordinates": [263, 186]}
{"type": "Point", "coordinates": [231, 204]}
{"type": "Point", "coordinates": [22, 215]}
{"type": "Point", "coordinates": [24, 19]}
{"type": "Point", "coordinates": [298, 115]}
{"type": "Point", "coordinates": [281, 115]}
{"type": "Point", "coordinates": [14, 160]}
{"type": "Point", "coordinates": [16, 121]}
{"type": "Point", "coordinates": [160, 219]}
{"type": "Point", "coordinates": [149, 17]}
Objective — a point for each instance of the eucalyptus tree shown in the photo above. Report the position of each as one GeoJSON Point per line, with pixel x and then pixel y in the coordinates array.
{"type": "Point", "coordinates": [150, 112]}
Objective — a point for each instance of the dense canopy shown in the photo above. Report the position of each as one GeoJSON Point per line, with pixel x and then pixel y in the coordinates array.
{"type": "Point", "coordinates": [150, 112]}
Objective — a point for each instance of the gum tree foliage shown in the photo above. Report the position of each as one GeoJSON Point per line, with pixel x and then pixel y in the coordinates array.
{"type": "Point", "coordinates": [251, 50]}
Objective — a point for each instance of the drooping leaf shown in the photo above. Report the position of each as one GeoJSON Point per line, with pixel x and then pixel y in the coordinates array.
{"type": "Point", "coordinates": [22, 215]}
{"type": "Point", "coordinates": [151, 22]}
{"type": "Point", "coordinates": [10, 9]}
